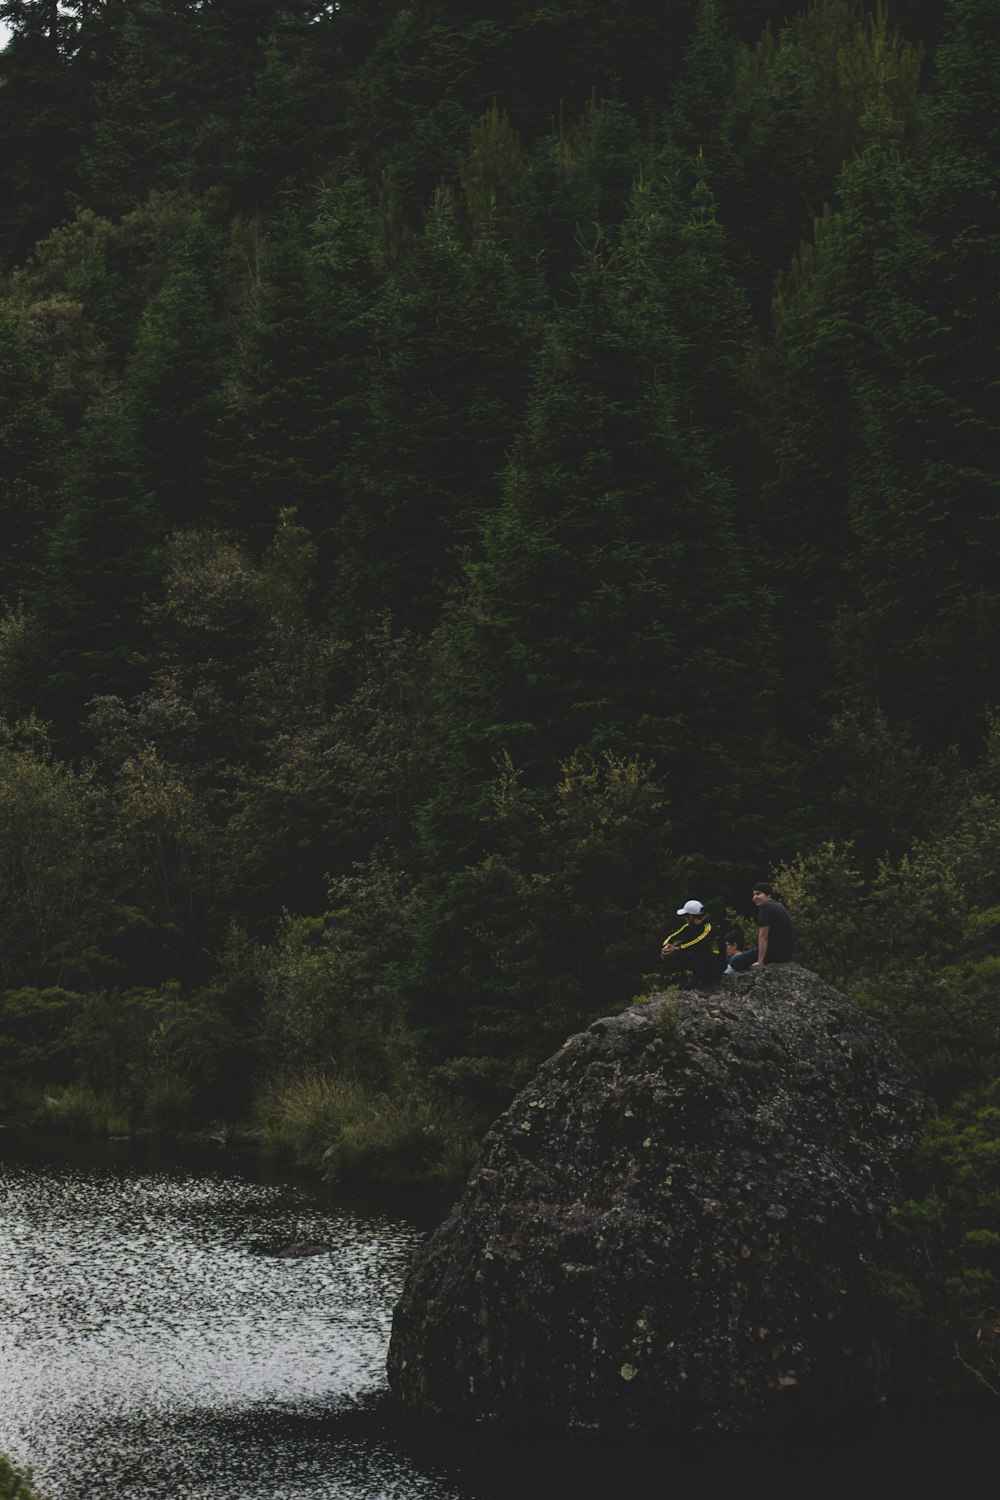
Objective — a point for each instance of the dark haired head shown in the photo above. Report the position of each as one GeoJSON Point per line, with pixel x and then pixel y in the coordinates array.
{"type": "Point", "coordinates": [764, 888]}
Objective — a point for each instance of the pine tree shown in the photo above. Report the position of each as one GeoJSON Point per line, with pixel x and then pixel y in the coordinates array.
{"type": "Point", "coordinates": [804, 102]}
{"type": "Point", "coordinates": [289, 123]}
{"type": "Point", "coordinates": [29, 446]}
{"type": "Point", "coordinates": [42, 105]}
{"type": "Point", "coordinates": [99, 564]}
{"type": "Point", "coordinates": [294, 404]}
{"type": "Point", "coordinates": [576, 189]}
{"type": "Point", "coordinates": [925, 495]}
{"type": "Point", "coordinates": [445, 392]}
{"type": "Point", "coordinates": [172, 379]}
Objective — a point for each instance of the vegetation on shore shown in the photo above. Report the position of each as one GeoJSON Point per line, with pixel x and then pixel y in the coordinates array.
{"type": "Point", "coordinates": [15, 1484]}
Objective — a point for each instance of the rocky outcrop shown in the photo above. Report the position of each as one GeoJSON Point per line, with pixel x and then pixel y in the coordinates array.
{"type": "Point", "coordinates": [672, 1228]}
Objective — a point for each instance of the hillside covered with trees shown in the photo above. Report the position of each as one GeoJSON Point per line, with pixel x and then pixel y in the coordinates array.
{"type": "Point", "coordinates": [473, 476]}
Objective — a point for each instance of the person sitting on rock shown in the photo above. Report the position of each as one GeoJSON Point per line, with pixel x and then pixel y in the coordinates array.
{"type": "Point", "coordinates": [775, 934]}
{"type": "Point", "coordinates": [694, 946]}
{"type": "Point", "coordinates": [734, 946]}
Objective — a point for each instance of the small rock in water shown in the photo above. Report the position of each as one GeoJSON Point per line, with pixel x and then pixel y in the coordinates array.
{"type": "Point", "coordinates": [293, 1249]}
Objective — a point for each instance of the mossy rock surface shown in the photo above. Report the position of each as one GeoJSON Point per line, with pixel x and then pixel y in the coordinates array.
{"type": "Point", "coordinates": [672, 1227]}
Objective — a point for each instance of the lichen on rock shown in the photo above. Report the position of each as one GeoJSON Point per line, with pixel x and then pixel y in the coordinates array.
{"type": "Point", "coordinates": [671, 1229]}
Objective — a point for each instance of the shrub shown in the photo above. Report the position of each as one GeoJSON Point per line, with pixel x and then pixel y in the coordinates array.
{"type": "Point", "coordinates": [942, 1285]}
{"type": "Point", "coordinates": [15, 1484]}
{"type": "Point", "coordinates": [328, 997]}
{"type": "Point", "coordinates": [359, 1135]}
{"type": "Point", "coordinates": [83, 1110]}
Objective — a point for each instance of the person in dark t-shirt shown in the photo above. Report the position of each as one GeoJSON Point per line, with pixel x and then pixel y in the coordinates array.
{"type": "Point", "coordinates": [775, 934]}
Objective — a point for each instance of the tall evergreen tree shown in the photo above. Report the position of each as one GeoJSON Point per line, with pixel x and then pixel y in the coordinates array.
{"type": "Point", "coordinates": [927, 490]}
{"type": "Point", "coordinates": [610, 610]}
{"type": "Point", "coordinates": [804, 102]}
{"type": "Point", "coordinates": [146, 110]}
{"type": "Point", "coordinates": [29, 443]}
{"type": "Point", "coordinates": [172, 379]}
{"type": "Point", "coordinates": [445, 393]}
{"type": "Point", "coordinates": [100, 562]}
{"type": "Point", "coordinates": [295, 401]}
{"type": "Point", "coordinates": [42, 111]}
{"type": "Point", "coordinates": [576, 188]}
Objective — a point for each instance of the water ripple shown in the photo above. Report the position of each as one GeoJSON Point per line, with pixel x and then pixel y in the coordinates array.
{"type": "Point", "coordinates": [148, 1349]}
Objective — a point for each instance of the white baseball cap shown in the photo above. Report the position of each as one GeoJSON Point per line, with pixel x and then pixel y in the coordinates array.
{"type": "Point", "coordinates": [690, 909]}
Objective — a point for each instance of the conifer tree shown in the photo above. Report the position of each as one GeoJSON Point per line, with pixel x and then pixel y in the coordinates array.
{"type": "Point", "coordinates": [576, 188]}
{"type": "Point", "coordinates": [288, 125]}
{"type": "Point", "coordinates": [701, 99]}
{"type": "Point", "coordinates": [172, 378]}
{"type": "Point", "coordinates": [445, 392]}
{"type": "Point", "coordinates": [98, 566]}
{"type": "Point", "coordinates": [42, 114]}
{"type": "Point", "coordinates": [926, 493]}
{"type": "Point", "coordinates": [805, 101]}
{"type": "Point", "coordinates": [294, 404]}
{"type": "Point", "coordinates": [612, 550]}
{"type": "Point", "coordinates": [29, 444]}
{"type": "Point", "coordinates": [145, 104]}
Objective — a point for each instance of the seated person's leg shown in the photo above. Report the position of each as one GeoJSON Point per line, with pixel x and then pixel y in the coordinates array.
{"type": "Point", "coordinates": [704, 969]}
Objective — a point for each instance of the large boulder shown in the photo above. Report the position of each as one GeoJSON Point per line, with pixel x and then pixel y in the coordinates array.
{"type": "Point", "coordinates": [672, 1228]}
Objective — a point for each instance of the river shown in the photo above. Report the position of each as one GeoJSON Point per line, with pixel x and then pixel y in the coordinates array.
{"type": "Point", "coordinates": [149, 1350]}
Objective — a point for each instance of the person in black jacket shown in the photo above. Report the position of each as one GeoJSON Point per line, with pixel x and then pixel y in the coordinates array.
{"type": "Point", "coordinates": [695, 946]}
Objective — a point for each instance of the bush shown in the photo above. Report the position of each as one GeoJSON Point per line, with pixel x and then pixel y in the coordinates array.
{"type": "Point", "coordinates": [15, 1484]}
{"type": "Point", "coordinates": [85, 1111]}
{"type": "Point", "coordinates": [947, 1020]}
{"type": "Point", "coordinates": [35, 1034]}
{"type": "Point", "coordinates": [328, 997]}
{"type": "Point", "coordinates": [358, 1135]}
{"type": "Point", "coordinates": [942, 1284]}
{"type": "Point", "coordinates": [825, 894]}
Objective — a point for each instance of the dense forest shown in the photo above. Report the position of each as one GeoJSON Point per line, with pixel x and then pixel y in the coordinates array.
{"type": "Point", "coordinates": [473, 477]}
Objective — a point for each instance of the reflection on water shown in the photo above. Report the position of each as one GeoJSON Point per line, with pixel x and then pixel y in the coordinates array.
{"type": "Point", "coordinates": [147, 1349]}
{"type": "Point", "coordinates": [148, 1352]}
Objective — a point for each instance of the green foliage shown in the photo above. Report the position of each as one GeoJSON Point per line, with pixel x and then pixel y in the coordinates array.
{"type": "Point", "coordinates": [880, 361]}
{"type": "Point", "coordinates": [292, 411]}
{"type": "Point", "coordinates": [328, 999]}
{"type": "Point", "coordinates": [29, 439]}
{"type": "Point", "coordinates": [602, 571]}
{"type": "Point", "coordinates": [15, 1484]}
{"type": "Point", "coordinates": [49, 906]}
{"type": "Point", "coordinates": [833, 918]}
{"type": "Point", "coordinates": [492, 170]}
{"type": "Point", "coordinates": [547, 929]}
{"type": "Point", "coordinates": [155, 1056]}
{"type": "Point", "coordinates": [35, 1037]}
{"type": "Point", "coordinates": [355, 1134]}
{"type": "Point", "coordinates": [451, 328]}
{"type": "Point", "coordinates": [917, 940]}
{"type": "Point", "coordinates": [805, 102]}
{"type": "Point", "coordinates": [877, 789]}
{"type": "Point", "coordinates": [79, 1109]}
{"type": "Point", "coordinates": [99, 559]}
{"type": "Point", "coordinates": [946, 1248]}
{"type": "Point", "coordinates": [173, 374]}
{"type": "Point", "coordinates": [188, 1052]}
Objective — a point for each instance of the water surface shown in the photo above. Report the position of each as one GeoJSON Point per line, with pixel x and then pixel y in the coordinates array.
{"type": "Point", "coordinates": [149, 1351]}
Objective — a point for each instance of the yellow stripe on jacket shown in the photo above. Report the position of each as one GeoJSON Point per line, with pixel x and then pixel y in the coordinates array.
{"type": "Point", "coordinates": [705, 932]}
